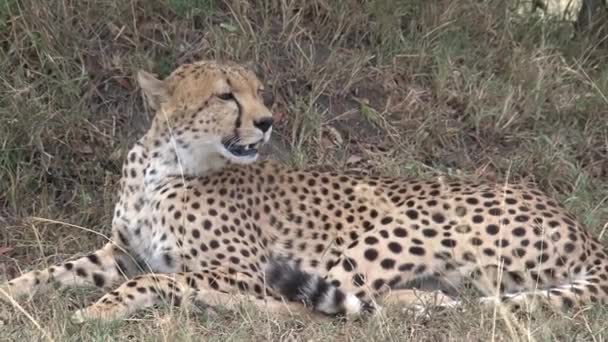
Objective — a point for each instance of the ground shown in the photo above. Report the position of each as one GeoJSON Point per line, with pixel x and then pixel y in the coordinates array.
{"type": "Point", "coordinates": [463, 89]}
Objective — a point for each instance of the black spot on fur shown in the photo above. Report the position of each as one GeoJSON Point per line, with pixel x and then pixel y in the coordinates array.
{"type": "Point", "coordinates": [412, 214]}
{"type": "Point", "coordinates": [395, 247]}
{"type": "Point", "coordinates": [370, 254]}
{"type": "Point", "coordinates": [168, 259]}
{"type": "Point", "coordinates": [98, 280]}
{"type": "Point", "coordinates": [415, 250]}
{"type": "Point", "coordinates": [358, 279]}
{"type": "Point", "coordinates": [93, 259]}
{"type": "Point", "coordinates": [349, 264]}
{"type": "Point", "coordinates": [81, 272]}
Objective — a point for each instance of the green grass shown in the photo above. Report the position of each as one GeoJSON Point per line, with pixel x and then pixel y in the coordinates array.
{"type": "Point", "coordinates": [468, 89]}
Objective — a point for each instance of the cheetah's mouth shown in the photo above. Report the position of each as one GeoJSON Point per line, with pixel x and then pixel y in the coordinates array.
{"type": "Point", "coordinates": [237, 150]}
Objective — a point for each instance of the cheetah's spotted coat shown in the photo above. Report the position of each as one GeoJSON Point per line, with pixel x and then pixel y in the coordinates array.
{"type": "Point", "coordinates": [197, 219]}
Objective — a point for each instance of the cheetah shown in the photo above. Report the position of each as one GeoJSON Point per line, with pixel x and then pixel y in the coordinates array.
{"type": "Point", "coordinates": [200, 219]}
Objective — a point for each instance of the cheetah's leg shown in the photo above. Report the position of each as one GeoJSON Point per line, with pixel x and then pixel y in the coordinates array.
{"type": "Point", "coordinates": [573, 295]}
{"type": "Point", "coordinates": [102, 268]}
{"type": "Point", "coordinates": [181, 289]}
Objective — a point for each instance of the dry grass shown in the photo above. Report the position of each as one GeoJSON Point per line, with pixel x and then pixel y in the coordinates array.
{"type": "Point", "coordinates": [460, 88]}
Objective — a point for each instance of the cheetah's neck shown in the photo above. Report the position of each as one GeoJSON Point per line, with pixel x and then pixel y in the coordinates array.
{"type": "Point", "coordinates": [174, 159]}
{"type": "Point", "coordinates": [146, 169]}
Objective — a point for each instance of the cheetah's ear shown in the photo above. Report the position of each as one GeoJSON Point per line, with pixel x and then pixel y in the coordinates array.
{"type": "Point", "coordinates": [154, 90]}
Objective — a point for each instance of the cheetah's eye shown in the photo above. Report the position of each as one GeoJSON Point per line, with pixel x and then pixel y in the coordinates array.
{"type": "Point", "coordinates": [226, 96]}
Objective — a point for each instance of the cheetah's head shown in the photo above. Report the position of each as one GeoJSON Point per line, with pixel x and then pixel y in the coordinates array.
{"type": "Point", "coordinates": [209, 108]}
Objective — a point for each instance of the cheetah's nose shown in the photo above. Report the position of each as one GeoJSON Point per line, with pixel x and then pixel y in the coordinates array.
{"type": "Point", "coordinates": [264, 124]}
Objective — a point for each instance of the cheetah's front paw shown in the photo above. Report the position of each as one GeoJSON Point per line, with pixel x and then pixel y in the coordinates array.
{"type": "Point", "coordinates": [17, 290]}
{"type": "Point", "coordinates": [98, 311]}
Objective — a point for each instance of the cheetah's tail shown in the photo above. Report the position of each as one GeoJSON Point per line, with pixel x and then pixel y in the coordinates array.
{"type": "Point", "coordinates": [297, 285]}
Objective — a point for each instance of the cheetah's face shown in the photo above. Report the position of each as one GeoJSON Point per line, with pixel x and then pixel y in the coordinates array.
{"type": "Point", "coordinates": [210, 107]}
